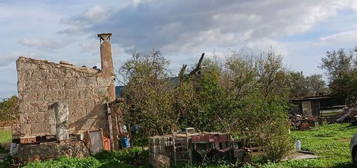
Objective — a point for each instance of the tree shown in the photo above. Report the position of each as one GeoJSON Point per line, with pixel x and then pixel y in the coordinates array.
{"type": "Point", "coordinates": [9, 109]}
{"type": "Point", "coordinates": [246, 97]}
{"type": "Point", "coordinates": [337, 63]}
{"type": "Point", "coordinates": [147, 94]}
{"type": "Point", "coordinates": [256, 91]}
{"type": "Point", "coordinates": [302, 86]}
{"type": "Point", "coordinates": [316, 85]}
{"type": "Point", "coordinates": [341, 68]}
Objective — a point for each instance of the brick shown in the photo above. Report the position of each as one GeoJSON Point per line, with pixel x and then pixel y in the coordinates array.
{"type": "Point", "coordinates": [28, 140]}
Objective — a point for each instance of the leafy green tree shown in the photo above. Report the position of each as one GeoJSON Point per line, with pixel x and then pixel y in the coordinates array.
{"type": "Point", "coordinates": [247, 97]}
{"type": "Point", "coordinates": [258, 101]}
{"type": "Point", "coordinates": [9, 109]}
{"type": "Point", "coordinates": [339, 62]}
{"type": "Point", "coordinates": [341, 68]}
{"type": "Point", "coordinates": [200, 98]}
{"type": "Point", "coordinates": [301, 86]}
{"type": "Point", "coordinates": [316, 85]}
{"type": "Point", "coordinates": [148, 95]}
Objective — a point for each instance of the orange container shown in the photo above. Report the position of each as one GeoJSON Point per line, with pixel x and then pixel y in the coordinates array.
{"type": "Point", "coordinates": [106, 144]}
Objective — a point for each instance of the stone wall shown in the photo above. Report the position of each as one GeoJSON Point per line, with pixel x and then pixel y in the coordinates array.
{"type": "Point", "coordinates": [41, 84]}
{"type": "Point", "coordinates": [51, 150]}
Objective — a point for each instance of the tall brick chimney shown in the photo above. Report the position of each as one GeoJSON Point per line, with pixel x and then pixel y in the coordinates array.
{"type": "Point", "coordinates": [106, 54]}
{"type": "Point", "coordinates": [107, 61]}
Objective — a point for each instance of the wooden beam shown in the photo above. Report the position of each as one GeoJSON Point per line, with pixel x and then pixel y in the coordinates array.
{"type": "Point", "coordinates": [110, 125]}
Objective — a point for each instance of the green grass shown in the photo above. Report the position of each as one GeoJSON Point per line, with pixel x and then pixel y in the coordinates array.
{"type": "Point", "coordinates": [131, 158]}
{"type": "Point", "coordinates": [66, 162]}
{"type": "Point", "coordinates": [329, 142]}
{"type": "Point", "coordinates": [5, 136]}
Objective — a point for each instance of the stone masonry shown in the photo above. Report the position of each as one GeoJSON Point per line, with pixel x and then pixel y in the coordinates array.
{"type": "Point", "coordinates": [42, 84]}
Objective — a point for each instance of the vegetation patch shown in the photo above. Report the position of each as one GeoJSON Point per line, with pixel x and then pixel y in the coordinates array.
{"type": "Point", "coordinates": [332, 152]}
{"type": "Point", "coordinates": [5, 136]}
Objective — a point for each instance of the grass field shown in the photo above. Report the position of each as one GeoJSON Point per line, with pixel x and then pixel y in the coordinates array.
{"type": "Point", "coordinates": [5, 136]}
{"type": "Point", "coordinates": [330, 142]}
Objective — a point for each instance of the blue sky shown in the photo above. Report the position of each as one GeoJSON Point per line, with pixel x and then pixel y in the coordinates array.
{"type": "Point", "coordinates": [302, 31]}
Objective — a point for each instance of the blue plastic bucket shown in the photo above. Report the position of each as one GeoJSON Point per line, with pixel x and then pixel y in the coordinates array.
{"type": "Point", "coordinates": [125, 142]}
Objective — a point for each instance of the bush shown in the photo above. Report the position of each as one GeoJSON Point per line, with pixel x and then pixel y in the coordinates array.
{"type": "Point", "coordinates": [247, 97]}
{"type": "Point", "coordinates": [124, 158]}
{"type": "Point", "coordinates": [66, 162]}
{"type": "Point", "coordinates": [9, 109]}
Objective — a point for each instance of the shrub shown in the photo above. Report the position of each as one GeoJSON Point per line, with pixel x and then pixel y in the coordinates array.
{"type": "Point", "coordinates": [66, 162]}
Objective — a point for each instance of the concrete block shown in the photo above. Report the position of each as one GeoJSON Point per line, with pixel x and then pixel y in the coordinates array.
{"type": "Point", "coordinates": [61, 113]}
{"type": "Point", "coordinates": [50, 116]}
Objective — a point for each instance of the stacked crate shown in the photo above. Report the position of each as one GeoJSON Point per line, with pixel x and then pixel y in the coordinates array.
{"type": "Point", "coordinates": [182, 150]}
{"type": "Point", "coordinates": [160, 145]}
{"type": "Point", "coordinates": [175, 146]}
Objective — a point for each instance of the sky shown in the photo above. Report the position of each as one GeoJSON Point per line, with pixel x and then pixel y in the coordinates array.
{"type": "Point", "coordinates": [300, 30]}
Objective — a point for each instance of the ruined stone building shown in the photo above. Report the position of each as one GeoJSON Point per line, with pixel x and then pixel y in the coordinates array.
{"type": "Point", "coordinates": [62, 100]}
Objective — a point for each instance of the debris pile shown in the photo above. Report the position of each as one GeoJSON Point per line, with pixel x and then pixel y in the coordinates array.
{"type": "Point", "coordinates": [195, 147]}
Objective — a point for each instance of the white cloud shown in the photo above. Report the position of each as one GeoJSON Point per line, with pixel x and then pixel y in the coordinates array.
{"type": "Point", "coordinates": [182, 30]}
{"type": "Point", "coordinates": [348, 36]}
{"type": "Point", "coordinates": [43, 43]}
{"type": "Point", "coordinates": [176, 25]}
{"type": "Point", "coordinates": [337, 40]}
{"type": "Point", "coordinates": [96, 13]}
